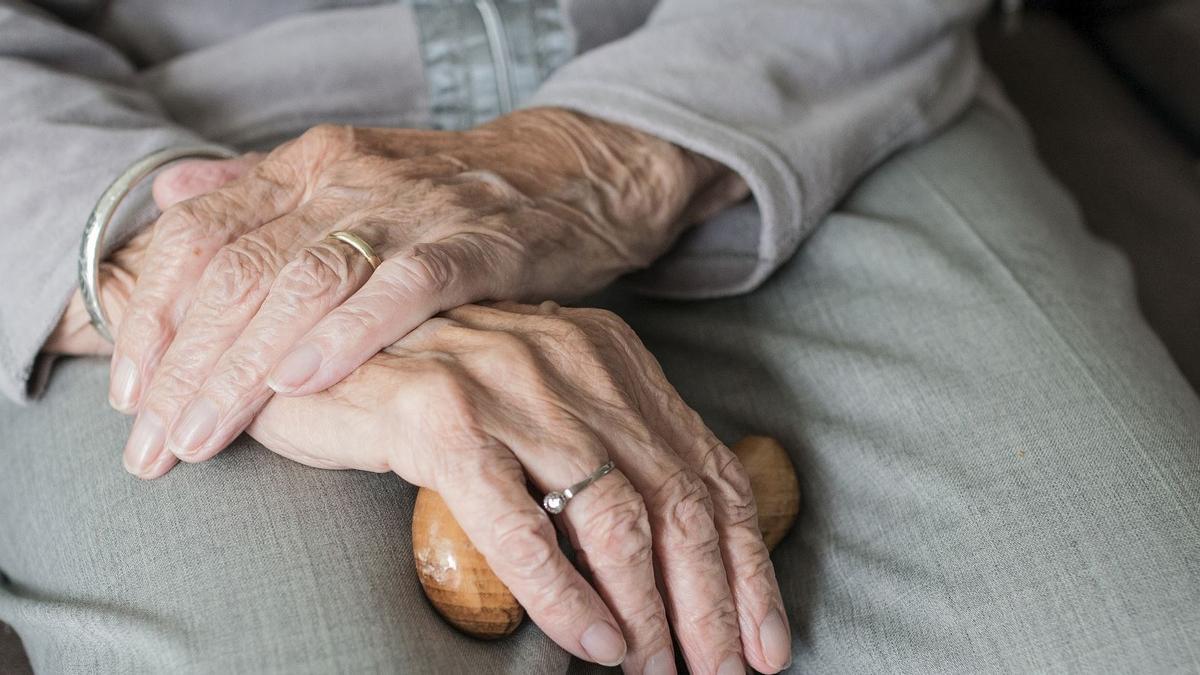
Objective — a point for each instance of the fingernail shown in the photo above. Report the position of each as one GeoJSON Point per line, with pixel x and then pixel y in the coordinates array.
{"type": "Point", "coordinates": [145, 442]}
{"type": "Point", "coordinates": [732, 666]}
{"type": "Point", "coordinates": [603, 644]}
{"type": "Point", "coordinates": [662, 663]}
{"type": "Point", "coordinates": [295, 369]}
{"type": "Point", "coordinates": [160, 466]}
{"type": "Point", "coordinates": [124, 385]}
{"type": "Point", "coordinates": [194, 427]}
{"type": "Point", "coordinates": [776, 640]}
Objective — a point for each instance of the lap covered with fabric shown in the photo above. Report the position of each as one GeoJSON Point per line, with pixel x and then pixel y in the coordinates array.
{"type": "Point", "coordinates": [1000, 465]}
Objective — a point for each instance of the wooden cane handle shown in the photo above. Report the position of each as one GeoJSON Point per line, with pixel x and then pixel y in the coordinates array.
{"type": "Point", "coordinates": [464, 590]}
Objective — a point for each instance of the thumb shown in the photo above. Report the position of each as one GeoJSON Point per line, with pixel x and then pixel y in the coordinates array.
{"type": "Point", "coordinates": [194, 177]}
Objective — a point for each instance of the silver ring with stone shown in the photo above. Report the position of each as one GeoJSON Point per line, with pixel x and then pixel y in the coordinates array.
{"type": "Point", "coordinates": [97, 223]}
{"type": "Point", "coordinates": [555, 502]}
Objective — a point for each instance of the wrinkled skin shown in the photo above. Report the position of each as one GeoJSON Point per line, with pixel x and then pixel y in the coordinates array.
{"type": "Point", "coordinates": [479, 398]}
{"type": "Point", "coordinates": [242, 296]}
{"type": "Point", "coordinates": [510, 393]}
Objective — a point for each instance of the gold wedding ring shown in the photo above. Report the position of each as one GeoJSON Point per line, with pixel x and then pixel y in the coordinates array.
{"type": "Point", "coordinates": [356, 242]}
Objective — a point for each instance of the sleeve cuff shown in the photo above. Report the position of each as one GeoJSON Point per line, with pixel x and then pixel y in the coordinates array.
{"type": "Point", "coordinates": [24, 370]}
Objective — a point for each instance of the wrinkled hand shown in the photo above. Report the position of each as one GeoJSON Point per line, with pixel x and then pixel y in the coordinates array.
{"type": "Point", "coordinates": [471, 403]}
{"type": "Point", "coordinates": [241, 290]}
{"type": "Point", "coordinates": [475, 400]}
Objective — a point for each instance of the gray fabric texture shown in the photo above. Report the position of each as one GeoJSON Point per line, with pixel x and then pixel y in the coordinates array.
{"type": "Point", "coordinates": [800, 98]}
{"type": "Point", "coordinates": [1000, 466]}
{"type": "Point", "coordinates": [1137, 184]}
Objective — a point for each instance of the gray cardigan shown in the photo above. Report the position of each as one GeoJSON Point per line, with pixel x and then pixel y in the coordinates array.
{"type": "Point", "coordinates": [800, 97]}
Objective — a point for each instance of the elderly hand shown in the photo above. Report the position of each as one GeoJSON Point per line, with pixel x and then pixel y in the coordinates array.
{"type": "Point", "coordinates": [474, 401]}
{"type": "Point", "coordinates": [242, 289]}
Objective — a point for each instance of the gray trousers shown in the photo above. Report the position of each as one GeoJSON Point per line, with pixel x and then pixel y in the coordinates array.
{"type": "Point", "coordinates": [1000, 465]}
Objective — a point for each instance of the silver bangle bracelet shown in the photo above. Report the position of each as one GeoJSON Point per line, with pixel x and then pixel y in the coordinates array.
{"type": "Point", "coordinates": [102, 213]}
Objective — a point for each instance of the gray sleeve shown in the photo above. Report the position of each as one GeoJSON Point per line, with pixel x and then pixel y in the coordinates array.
{"type": "Point", "coordinates": [71, 121]}
{"type": "Point", "coordinates": [800, 98]}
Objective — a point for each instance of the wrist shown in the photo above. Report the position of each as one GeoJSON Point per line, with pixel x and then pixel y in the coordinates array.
{"type": "Point", "coordinates": [646, 187]}
{"type": "Point", "coordinates": [659, 179]}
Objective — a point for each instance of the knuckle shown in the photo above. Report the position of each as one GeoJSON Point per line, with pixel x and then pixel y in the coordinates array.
{"type": "Point", "coordinates": [242, 372]}
{"type": "Point", "coordinates": [313, 274]}
{"type": "Point", "coordinates": [602, 318]}
{"type": "Point", "coordinates": [481, 186]}
{"type": "Point", "coordinates": [687, 510]}
{"type": "Point", "coordinates": [172, 385]}
{"type": "Point", "coordinates": [565, 333]}
{"type": "Point", "coordinates": [755, 569]}
{"type": "Point", "coordinates": [590, 364]}
{"type": "Point", "coordinates": [178, 218]}
{"type": "Point", "coordinates": [349, 321]}
{"type": "Point", "coordinates": [720, 622]}
{"type": "Point", "coordinates": [442, 382]}
{"type": "Point", "coordinates": [177, 225]}
{"type": "Point", "coordinates": [650, 622]}
{"type": "Point", "coordinates": [509, 350]}
{"type": "Point", "coordinates": [189, 221]}
{"type": "Point", "coordinates": [428, 269]}
{"type": "Point", "coordinates": [451, 407]}
{"type": "Point", "coordinates": [144, 323]}
{"type": "Point", "coordinates": [560, 598]}
{"type": "Point", "coordinates": [525, 540]}
{"type": "Point", "coordinates": [236, 274]}
{"type": "Point", "coordinates": [621, 532]}
{"type": "Point", "coordinates": [614, 330]}
{"type": "Point", "coordinates": [275, 171]}
{"type": "Point", "coordinates": [733, 484]}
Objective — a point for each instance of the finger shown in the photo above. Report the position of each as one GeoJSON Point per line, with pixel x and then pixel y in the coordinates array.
{"type": "Point", "coordinates": [608, 527]}
{"type": "Point", "coordinates": [766, 636]}
{"type": "Point", "coordinates": [319, 279]}
{"type": "Point", "coordinates": [607, 521]}
{"type": "Point", "coordinates": [406, 290]}
{"type": "Point", "coordinates": [613, 540]}
{"type": "Point", "coordinates": [686, 548]}
{"type": "Point", "coordinates": [487, 495]}
{"type": "Point", "coordinates": [194, 177]}
{"type": "Point", "coordinates": [186, 238]}
{"type": "Point", "coordinates": [227, 297]}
